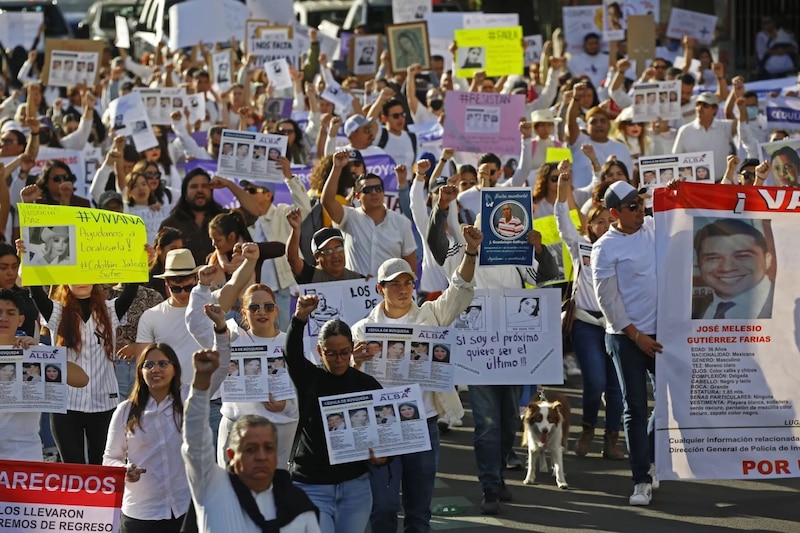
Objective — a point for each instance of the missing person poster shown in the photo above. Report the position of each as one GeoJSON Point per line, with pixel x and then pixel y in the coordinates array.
{"type": "Point", "coordinates": [251, 155]}
{"type": "Point", "coordinates": [726, 393]}
{"type": "Point", "coordinates": [497, 51]}
{"type": "Point", "coordinates": [255, 372]}
{"type": "Point", "coordinates": [657, 100]}
{"type": "Point", "coordinates": [131, 120]}
{"type": "Point", "coordinates": [36, 496]}
{"type": "Point", "coordinates": [697, 25]}
{"type": "Point", "coordinates": [509, 337]}
{"type": "Point", "coordinates": [160, 103]}
{"type": "Point", "coordinates": [660, 170]}
{"type": "Point", "coordinates": [68, 62]}
{"type": "Point", "coordinates": [473, 121]}
{"type": "Point", "coordinates": [506, 219]}
{"type": "Point", "coordinates": [81, 245]}
{"type": "Point", "coordinates": [403, 355]}
{"type": "Point", "coordinates": [33, 380]}
{"type": "Point", "coordinates": [784, 162]}
{"type": "Point", "coordinates": [390, 421]}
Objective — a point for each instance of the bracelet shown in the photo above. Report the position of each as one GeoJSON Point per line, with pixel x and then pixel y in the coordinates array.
{"type": "Point", "coordinates": [443, 160]}
{"type": "Point", "coordinates": [636, 338]}
{"type": "Point", "coordinates": [34, 134]}
{"type": "Point", "coordinates": [471, 255]}
{"type": "Point", "coordinates": [221, 330]}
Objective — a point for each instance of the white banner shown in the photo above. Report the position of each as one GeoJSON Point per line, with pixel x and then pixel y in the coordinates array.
{"type": "Point", "coordinates": [510, 337]}
{"type": "Point", "coordinates": [726, 391]}
{"type": "Point", "coordinates": [783, 113]}
{"type": "Point", "coordinates": [390, 421]}
{"type": "Point", "coordinates": [197, 21]}
{"type": "Point", "coordinates": [33, 380]}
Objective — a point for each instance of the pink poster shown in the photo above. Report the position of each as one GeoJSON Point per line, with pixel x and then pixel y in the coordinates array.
{"type": "Point", "coordinates": [483, 122]}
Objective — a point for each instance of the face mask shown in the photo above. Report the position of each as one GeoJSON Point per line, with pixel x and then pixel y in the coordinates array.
{"type": "Point", "coordinates": [436, 105]}
{"type": "Point", "coordinates": [752, 112]}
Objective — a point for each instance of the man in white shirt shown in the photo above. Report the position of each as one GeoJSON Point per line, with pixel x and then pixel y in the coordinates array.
{"type": "Point", "coordinates": [360, 131]}
{"type": "Point", "coordinates": [392, 137]}
{"type": "Point", "coordinates": [592, 63]}
{"type": "Point", "coordinates": [624, 275]}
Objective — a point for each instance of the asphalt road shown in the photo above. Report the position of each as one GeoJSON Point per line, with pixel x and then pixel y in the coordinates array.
{"type": "Point", "coordinates": [598, 496]}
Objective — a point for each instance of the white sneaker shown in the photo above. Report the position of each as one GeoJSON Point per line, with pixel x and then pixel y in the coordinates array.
{"type": "Point", "coordinates": [642, 494]}
{"type": "Point", "coordinates": [571, 366]}
{"type": "Point", "coordinates": [655, 482]}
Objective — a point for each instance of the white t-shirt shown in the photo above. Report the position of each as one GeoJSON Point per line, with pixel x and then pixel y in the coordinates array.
{"type": "Point", "coordinates": [167, 323]}
{"type": "Point", "coordinates": [20, 440]}
{"type": "Point", "coordinates": [594, 67]}
{"type": "Point", "coordinates": [582, 167]}
{"type": "Point", "coordinates": [399, 147]}
{"type": "Point", "coordinates": [367, 245]}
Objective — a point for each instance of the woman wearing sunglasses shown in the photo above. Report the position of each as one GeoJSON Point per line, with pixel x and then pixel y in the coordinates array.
{"type": "Point", "coordinates": [57, 186]}
{"type": "Point", "coordinates": [145, 437]}
{"type": "Point", "coordinates": [140, 200]}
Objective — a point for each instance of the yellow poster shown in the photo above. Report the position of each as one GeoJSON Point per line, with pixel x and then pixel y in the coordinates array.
{"type": "Point", "coordinates": [497, 51]}
{"type": "Point", "coordinates": [552, 241]}
{"type": "Point", "coordinates": [80, 245]}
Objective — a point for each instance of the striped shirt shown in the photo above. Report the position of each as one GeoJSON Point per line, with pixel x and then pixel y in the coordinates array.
{"type": "Point", "coordinates": [510, 228]}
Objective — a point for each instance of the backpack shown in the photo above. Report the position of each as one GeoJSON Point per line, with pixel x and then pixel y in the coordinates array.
{"type": "Point", "coordinates": [384, 140]}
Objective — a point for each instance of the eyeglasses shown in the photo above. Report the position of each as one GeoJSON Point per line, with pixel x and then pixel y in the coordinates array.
{"type": "Point", "coordinates": [331, 251]}
{"type": "Point", "coordinates": [152, 175]}
{"type": "Point", "coordinates": [748, 175]}
{"type": "Point", "coordinates": [660, 67]}
{"type": "Point", "coordinates": [177, 289]}
{"type": "Point", "coordinates": [372, 188]}
{"type": "Point", "coordinates": [332, 355]}
{"type": "Point", "coordinates": [256, 190]}
{"type": "Point", "coordinates": [634, 206]}
{"type": "Point", "coordinates": [268, 307]}
{"type": "Point", "coordinates": [397, 115]}
{"type": "Point", "coordinates": [286, 131]}
{"type": "Point", "coordinates": [63, 177]}
{"type": "Point", "coordinates": [150, 365]}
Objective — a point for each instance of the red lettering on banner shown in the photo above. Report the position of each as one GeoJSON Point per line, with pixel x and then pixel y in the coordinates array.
{"type": "Point", "coordinates": [765, 468]}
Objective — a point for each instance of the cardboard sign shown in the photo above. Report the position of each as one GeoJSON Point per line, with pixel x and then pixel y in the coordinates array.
{"type": "Point", "coordinates": [62, 58]}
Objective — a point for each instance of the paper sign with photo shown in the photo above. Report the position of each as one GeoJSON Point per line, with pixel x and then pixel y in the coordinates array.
{"type": "Point", "coordinates": [614, 20]}
{"type": "Point", "coordinates": [657, 100]}
{"type": "Point", "coordinates": [221, 70]}
{"type": "Point", "coordinates": [533, 49]}
{"type": "Point", "coordinates": [365, 53]}
{"type": "Point", "coordinates": [278, 74]}
{"type": "Point", "coordinates": [33, 380]}
{"type": "Point", "coordinates": [497, 51]}
{"type": "Point", "coordinates": [20, 28]}
{"type": "Point", "coordinates": [410, 10]}
{"type": "Point", "coordinates": [784, 159]}
{"type": "Point", "coordinates": [130, 119]}
{"type": "Point", "coordinates": [658, 171]}
{"type": "Point", "coordinates": [335, 94]}
{"type": "Point", "coordinates": [246, 155]}
{"type": "Point", "coordinates": [691, 23]}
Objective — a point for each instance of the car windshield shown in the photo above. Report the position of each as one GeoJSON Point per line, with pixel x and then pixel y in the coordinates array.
{"type": "Point", "coordinates": [336, 16]}
{"type": "Point", "coordinates": [53, 20]}
{"type": "Point", "coordinates": [109, 11]}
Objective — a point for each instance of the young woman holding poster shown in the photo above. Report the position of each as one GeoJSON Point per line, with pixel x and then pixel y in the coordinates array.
{"type": "Point", "coordinates": [145, 437]}
{"type": "Point", "coordinates": [588, 329]}
{"type": "Point", "coordinates": [341, 492]}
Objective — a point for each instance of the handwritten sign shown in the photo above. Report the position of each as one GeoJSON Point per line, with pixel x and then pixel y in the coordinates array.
{"type": "Point", "coordinates": [81, 245]}
{"type": "Point", "coordinates": [506, 215]}
{"type": "Point", "coordinates": [274, 42]}
{"type": "Point", "coordinates": [698, 25]}
{"type": "Point", "coordinates": [509, 337]}
{"type": "Point", "coordinates": [497, 51]}
{"type": "Point", "coordinates": [578, 22]}
{"type": "Point", "coordinates": [473, 121]}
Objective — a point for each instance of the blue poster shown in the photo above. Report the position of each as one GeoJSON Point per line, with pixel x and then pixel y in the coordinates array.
{"type": "Point", "coordinates": [506, 219]}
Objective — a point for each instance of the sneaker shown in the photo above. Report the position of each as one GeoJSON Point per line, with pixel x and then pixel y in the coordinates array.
{"type": "Point", "coordinates": [642, 494]}
{"type": "Point", "coordinates": [444, 424]}
{"type": "Point", "coordinates": [455, 423]}
{"type": "Point", "coordinates": [571, 367]}
{"type": "Point", "coordinates": [490, 504]}
{"type": "Point", "coordinates": [655, 482]}
{"type": "Point", "coordinates": [505, 494]}
{"type": "Point", "coordinates": [513, 462]}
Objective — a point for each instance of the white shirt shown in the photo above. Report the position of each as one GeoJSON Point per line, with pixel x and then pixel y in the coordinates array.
{"type": "Point", "coordinates": [167, 323]}
{"type": "Point", "coordinates": [594, 67]}
{"type": "Point", "coordinates": [582, 167]}
{"type": "Point", "coordinates": [632, 260]}
{"type": "Point", "coordinates": [399, 147]}
{"type": "Point", "coordinates": [152, 218]}
{"type": "Point", "coordinates": [20, 440]}
{"type": "Point", "coordinates": [693, 137]}
{"type": "Point", "coordinates": [367, 244]}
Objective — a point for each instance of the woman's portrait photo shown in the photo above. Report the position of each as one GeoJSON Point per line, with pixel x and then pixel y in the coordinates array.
{"type": "Point", "coordinates": [50, 246]}
{"type": "Point", "coordinates": [52, 373]}
{"type": "Point", "coordinates": [358, 418]}
{"type": "Point", "coordinates": [472, 57]}
{"type": "Point", "coordinates": [252, 367]}
{"type": "Point", "coordinates": [408, 44]}
{"type": "Point", "coordinates": [408, 411]}
{"type": "Point", "coordinates": [523, 312]}
{"type": "Point", "coordinates": [419, 351]}
{"type": "Point", "coordinates": [395, 350]}
{"type": "Point", "coordinates": [441, 353]}
{"type": "Point", "coordinates": [8, 372]}
{"type": "Point", "coordinates": [32, 372]}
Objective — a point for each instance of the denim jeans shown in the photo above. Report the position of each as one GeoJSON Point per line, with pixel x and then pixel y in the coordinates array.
{"type": "Point", "coordinates": [599, 375]}
{"type": "Point", "coordinates": [126, 376]}
{"type": "Point", "coordinates": [496, 416]}
{"type": "Point", "coordinates": [343, 507]}
{"type": "Point", "coordinates": [415, 474]}
{"type": "Point", "coordinates": [634, 367]}
{"type": "Point", "coordinates": [283, 298]}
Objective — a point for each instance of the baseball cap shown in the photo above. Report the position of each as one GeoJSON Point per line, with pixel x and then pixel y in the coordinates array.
{"type": "Point", "coordinates": [356, 157]}
{"type": "Point", "coordinates": [708, 98]}
{"type": "Point", "coordinates": [107, 197]}
{"type": "Point", "coordinates": [323, 237]}
{"type": "Point", "coordinates": [620, 193]}
{"type": "Point", "coordinates": [355, 122]}
{"type": "Point", "coordinates": [392, 268]}
{"type": "Point", "coordinates": [265, 184]}
{"type": "Point", "coordinates": [437, 184]}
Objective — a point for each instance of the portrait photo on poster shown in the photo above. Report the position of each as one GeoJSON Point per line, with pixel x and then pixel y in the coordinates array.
{"type": "Point", "coordinates": [472, 57]}
{"type": "Point", "coordinates": [408, 44]}
{"type": "Point", "coordinates": [509, 220]}
{"type": "Point", "coordinates": [524, 313]}
{"type": "Point", "coordinates": [471, 318]}
{"type": "Point", "coordinates": [734, 268]}
{"type": "Point", "coordinates": [50, 246]}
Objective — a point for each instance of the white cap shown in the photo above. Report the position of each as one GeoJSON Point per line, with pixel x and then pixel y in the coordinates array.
{"type": "Point", "coordinates": [392, 268]}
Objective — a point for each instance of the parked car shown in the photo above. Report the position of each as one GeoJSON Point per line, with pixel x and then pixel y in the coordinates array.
{"type": "Point", "coordinates": [99, 21]}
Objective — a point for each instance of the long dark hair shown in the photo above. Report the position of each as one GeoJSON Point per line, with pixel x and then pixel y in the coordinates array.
{"type": "Point", "coordinates": [182, 208]}
{"type": "Point", "coordinates": [69, 329]}
{"type": "Point", "coordinates": [44, 176]}
{"type": "Point", "coordinates": [542, 181]}
{"type": "Point", "coordinates": [165, 236]}
{"type": "Point", "coordinates": [140, 393]}
{"type": "Point", "coordinates": [231, 222]}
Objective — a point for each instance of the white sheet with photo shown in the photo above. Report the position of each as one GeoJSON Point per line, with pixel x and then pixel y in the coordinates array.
{"type": "Point", "coordinates": [657, 100]}
{"type": "Point", "coordinates": [130, 119]}
{"type": "Point", "coordinates": [411, 10]}
{"type": "Point", "coordinates": [698, 25]}
{"type": "Point", "coordinates": [365, 54]}
{"type": "Point", "coordinates": [335, 94]}
{"type": "Point", "coordinates": [784, 168]}
{"type": "Point", "coordinates": [71, 68]}
{"type": "Point", "coordinates": [33, 380]}
{"type": "Point", "coordinates": [354, 423]}
{"type": "Point", "coordinates": [196, 104]}
{"type": "Point", "coordinates": [614, 20]}
{"type": "Point", "coordinates": [221, 68]}
{"type": "Point", "coordinates": [410, 354]}
{"type": "Point", "coordinates": [482, 119]}
{"type": "Point", "coordinates": [658, 171]}
{"type": "Point", "coordinates": [247, 379]}
{"type": "Point", "coordinates": [578, 21]}
{"type": "Point", "coordinates": [643, 7]}
{"type": "Point", "coordinates": [533, 49]}
{"type": "Point", "coordinates": [511, 336]}
{"type": "Point", "coordinates": [251, 155]}
{"type": "Point", "coordinates": [278, 74]}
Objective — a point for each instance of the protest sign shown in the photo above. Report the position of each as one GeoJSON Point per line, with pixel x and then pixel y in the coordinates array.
{"type": "Point", "coordinates": [274, 42]}
{"type": "Point", "coordinates": [38, 496]}
{"type": "Point", "coordinates": [657, 100]}
{"type": "Point", "coordinates": [509, 337]}
{"type": "Point", "coordinates": [252, 27]}
{"type": "Point", "coordinates": [441, 32]}
{"type": "Point", "coordinates": [783, 113]}
{"type": "Point", "coordinates": [614, 20]}
{"type": "Point", "coordinates": [408, 45]}
{"type": "Point", "coordinates": [236, 16]}
{"type": "Point", "coordinates": [555, 154]}
{"type": "Point", "coordinates": [197, 21]}
{"type": "Point", "coordinates": [643, 7]}
{"type": "Point", "coordinates": [33, 380]}
{"type": "Point", "coordinates": [277, 109]}
{"type": "Point", "coordinates": [697, 25]}
{"type": "Point", "coordinates": [365, 50]}
{"type": "Point", "coordinates": [81, 245]}
{"type": "Point", "coordinates": [131, 121]}
{"type": "Point", "coordinates": [20, 28]}
{"type": "Point", "coordinates": [497, 51]}
{"type": "Point", "coordinates": [641, 41]}
{"type": "Point", "coordinates": [278, 11]}
{"type": "Point", "coordinates": [390, 421]}
{"type": "Point", "coordinates": [160, 103]}
{"type": "Point", "coordinates": [578, 22]}
{"type": "Point", "coordinates": [404, 355]}
{"type": "Point", "coordinates": [473, 121]}
{"type": "Point", "coordinates": [74, 159]}
{"type": "Point", "coordinates": [221, 68]}
{"type": "Point", "coordinates": [533, 49]}
{"type": "Point", "coordinates": [410, 10]}
{"type": "Point", "coordinates": [726, 390]}
{"type": "Point", "coordinates": [658, 171]}
{"type": "Point", "coordinates": [784, 159]}
{"type": "Point", "coordinates": [123, 34]}
{"type": "Point", "coordinates": [196, 104]}
{"type": "Point", "coordinates": [551, 240]}
{"type": "Point", "coordinates": [278, 74]}
{"type": "Point", "coordinates": [251, 155]}
{"type": "Point", "coordinates": [335, 94]}
{"type": "Point", "coordinates": [255, 372]}
{"type": "Point", "coordinates": [506, 214]}
{"type": "Point", "coordinates": [68, 62]}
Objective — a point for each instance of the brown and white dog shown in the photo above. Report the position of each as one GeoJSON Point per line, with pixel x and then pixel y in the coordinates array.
{"type": "Point", "coordinates": [545, 429]}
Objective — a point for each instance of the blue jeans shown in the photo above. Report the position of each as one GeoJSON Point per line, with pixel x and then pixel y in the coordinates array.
{"type": "Point", "coordinates": [634, 367]}
{"type": "Point", "coordinates": [599, 375]}
{"type": "Point", "coordinates": [343, 507]}
{"type": "Point", "coordinates": [415, 473]}
{"type": "Point", "coordinates": [126, 376]}
{"type": "Point", "coordinates": [495, 412]}
{"type": "Point", "coordinates": [528, 393]}
{"type": "Point", "coordinates": [283, 298]}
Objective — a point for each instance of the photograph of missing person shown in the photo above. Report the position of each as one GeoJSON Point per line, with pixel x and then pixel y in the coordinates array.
{"type": "Point", "coordinates": [52, 373]}
{"type": "Point", "coordinates": [470, 318]}
{"type": "Point", "coordinates": [408, 411]}
{"type": "Point", "coordinates": [8, 372]}
{"type": "Point", "coordinates": [735, 269]}
{"type": "Point", "coordinates": [384, 414]}
{"type": "Point", "coordinates": [510, 220]}
{"type": "Point", "coordinates": [50, 246]}
{"type": "Point", "coordinates": [227, 149]}
{"type": "Point", "coordinates": [276, 366]}
{"type": "Point", "coordinates": [336, 422]}
{"type": "Point", "coordinates": [408, 44]}
{"type": "Point", "coordinates": [395, 350]}
{"type": "Point", "coordinates": [359, 418]}
{"type": "Point", "coordinates": [441, 353]}
{"type": "Point", "coordinates": [242, 151]}
{"type": "Point", "coordinates": [233, 368]}
{"type": "Point", "coordinates": [375, 349]}
{"type": "Point", "coordinates": [32, 372]}
{"type": "Point", "coordinates": [419, 351]}
{"type": "Point", "coordinates": [252, 366]}
{"type": "Point", "coordinates": [472, 57]}
{"type": "Point", "coordinates": [523, 311]}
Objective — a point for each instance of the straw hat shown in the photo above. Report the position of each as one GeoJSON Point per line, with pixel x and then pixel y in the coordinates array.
{"type": "Point", "coordinates": [178, 263]}
{"type": "Point", "coordinates": [544, 115]}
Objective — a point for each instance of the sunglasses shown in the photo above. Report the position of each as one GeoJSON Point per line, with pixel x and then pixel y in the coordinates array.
{"type": "Point", "coordinates": [286, 131]}
{"type": "Point", "coordinates": [256, 190]}
{"type": "Point", "coordinates": [150, 365]}
{"type": "Point", "coordinates": [748, 175]}
{"type": "Point", "coordinates": [176, 289]}
{"type": "Point", "coordinates": [634, 206]}
{"type": "Point", "coordinates": [660, 67]}
{"type": "Point", "coordinates": [8, 140]}
{"type": "Point", "coordinates": [372, 188]}
{"type": "Point", "coordinates": [267, 307]}
{"type": "Point", "coordinates": [397, 115]}
{"type": "Point", "coordinates": [152, 175]}
{"type": "Point", "coordinates": [66, 177]}
{"type": "Point", "coordinates": [331, 251]}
